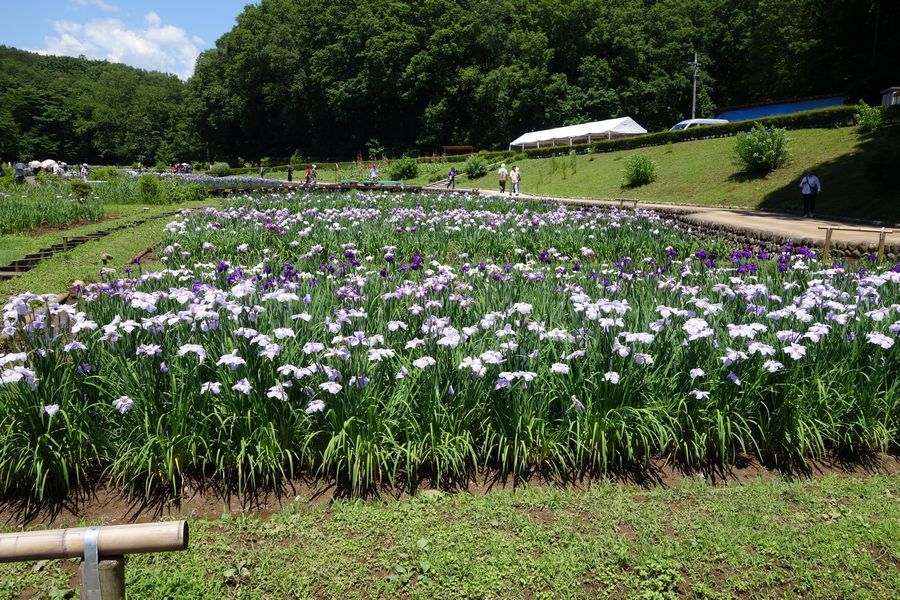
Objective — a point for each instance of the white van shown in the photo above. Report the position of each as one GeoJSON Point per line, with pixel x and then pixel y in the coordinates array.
{"type": "Point", "coordinates": [697, 122]}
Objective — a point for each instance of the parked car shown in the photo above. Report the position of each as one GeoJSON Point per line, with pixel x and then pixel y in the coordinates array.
{"type": "Point", "coordinates": [697, 122]}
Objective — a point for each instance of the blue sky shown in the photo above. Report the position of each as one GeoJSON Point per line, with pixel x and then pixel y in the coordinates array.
{"type": "Point", "coordinates": [164, 35]}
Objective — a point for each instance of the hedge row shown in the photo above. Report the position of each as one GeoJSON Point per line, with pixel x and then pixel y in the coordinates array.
{"type": "Point", "coordinates": [489, 155]}
{"type": "Point", "coordinates": [839, 116]}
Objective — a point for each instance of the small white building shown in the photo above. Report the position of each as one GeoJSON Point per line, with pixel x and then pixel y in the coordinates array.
{"type": "Point", "coordinates": [585, 133]}
{"type": "Point", "coordinates": [890, 96]}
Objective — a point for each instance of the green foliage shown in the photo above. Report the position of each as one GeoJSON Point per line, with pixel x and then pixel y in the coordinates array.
{"type": "Point", "coordinates": [219, 169]}
{"type": "Point", "coordinates": [405, 168]}
{"type": "Point", "coordinates": [149, 186]}
{"type": "Point", "coordinates": [639, 170]}
{"type": "Point", "coordinates": [53, 204]}
{"type": "Point", "coordinates": [762, 149]}
{"type": "Point", "coordinates": [868, 118]}
{"type": "Point", "coordinates": [80, 188]}
{"type": "Point", "coordinates": [95, 111]}
{"type": "Point", "coordinates": [106, 173]}
{"type": "Point", "coordinates": [476, 166]}
{"type": "Point", "coordinates": [184, 192]}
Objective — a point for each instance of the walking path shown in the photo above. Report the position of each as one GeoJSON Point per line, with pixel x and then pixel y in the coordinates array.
{"type": "Point", "coordinates": [764, 223]}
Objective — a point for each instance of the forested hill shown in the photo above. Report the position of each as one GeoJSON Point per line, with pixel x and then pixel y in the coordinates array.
{"type": "Point", "coordinates": [332, 78]}
{"type": "Point", "coordinates": [331, 75]}
{"type": "Point", "coordinates": [84, 110]}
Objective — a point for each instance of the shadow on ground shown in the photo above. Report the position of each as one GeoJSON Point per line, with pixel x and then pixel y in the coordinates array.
{"type": "Point", "coordinates": [868, 177]}
{"type": "Point", "coordinates": [210, 499]}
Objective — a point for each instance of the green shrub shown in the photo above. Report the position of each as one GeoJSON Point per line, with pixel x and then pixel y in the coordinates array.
{"type": "Point", "coordinates": [639, 170]}
{"type": "Point", "coordinates": [761, 149]}
{"type": "Point", "coordinates": [148, 186]}
{"type": "Point", "coordinates": [405, 168]}
{"type": "Point", "coordinates": [219, 169]}
{"type": "Point", "coordinates": [868, 118]}
{"type": "Point", "coordinates": [186, 192]}
{"type": "Point", "coordinates": [105, 173]}
{"type": "Point", "coordinates": [475, 167]}
{"type": "Point", "coordinates": [80, 188]}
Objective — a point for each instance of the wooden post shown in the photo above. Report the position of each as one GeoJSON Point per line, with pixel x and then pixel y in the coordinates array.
{"type": "Point", "coordinates": [826, 252]}
{"type": "Point", "coordinates": [65, 243]}
{"type": "Point", "coordinates": [881, 237]}
{"type": "Point", "coordinates": [635, 205]}
{"type": "Point", "coordinates": [112, 579]}
{"type": "Point", "coordinates": [621, 203]}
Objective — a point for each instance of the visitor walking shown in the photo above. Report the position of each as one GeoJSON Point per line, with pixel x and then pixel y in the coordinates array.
{"type": "Point", "coordinates": [514, 178]}
{"type": "Point", "coordinates": [314, 175]}
{"type": "Point", "coordinates": [290, 173]}
{"type": "Point", "coordinates": [451, 179]}
{"type": "Point", "coordinates": [308, 174]}
{"type": "Point", "coordinates": [84, 172]}
{"type": "Point", "coordinates": [502, 174]}
{"type": "Point", "coordinates": [373, 173]}
{"type": "Point", "coordinates": [20, 172]}
{"type": "Point", "coordinates": [262, 171]}
{"type": "Point", "coordinates": [810, 186]}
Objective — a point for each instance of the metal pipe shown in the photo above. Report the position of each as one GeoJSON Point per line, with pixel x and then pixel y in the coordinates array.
{"type": "Point", "coordinates": [113, 540]}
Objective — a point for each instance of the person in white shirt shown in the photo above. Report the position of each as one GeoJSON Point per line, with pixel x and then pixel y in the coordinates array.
{"type": "Point", "coordinates": [810, 186]}
{"type": "Point", "coordinates": [514, 178]}
{"type": "Point", "coordinates": [502, 174]}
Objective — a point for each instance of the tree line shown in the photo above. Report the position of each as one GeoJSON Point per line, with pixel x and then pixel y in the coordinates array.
{"type": "Point", "coordinates": [333, 78]}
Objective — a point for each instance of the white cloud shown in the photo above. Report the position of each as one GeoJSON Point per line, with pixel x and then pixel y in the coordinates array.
{"type": "Point", "coordinates": [156, 46]}
{"type": "Point", "coordinates": [97, 3]}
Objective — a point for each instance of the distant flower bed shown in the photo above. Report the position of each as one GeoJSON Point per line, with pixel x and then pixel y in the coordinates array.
{"type": "Point", "coordinates": [376, 339]}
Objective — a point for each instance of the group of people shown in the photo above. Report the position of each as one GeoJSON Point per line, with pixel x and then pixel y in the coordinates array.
{"type": "Point", "coordinates": [514, 176]}
{"type": "Point", "coordinates": [60, 169]}
{"type": "Point", "coordinates": [182, 168]}
{"type": "Point", "coordinates": [312, 173]}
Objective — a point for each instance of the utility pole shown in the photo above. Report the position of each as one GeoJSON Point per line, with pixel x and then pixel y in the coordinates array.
{"type": "Point", "coordinates": [696, 64]}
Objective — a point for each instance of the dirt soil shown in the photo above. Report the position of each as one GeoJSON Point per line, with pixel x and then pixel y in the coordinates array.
{"type": "Point", "coordinates": [113, 506]}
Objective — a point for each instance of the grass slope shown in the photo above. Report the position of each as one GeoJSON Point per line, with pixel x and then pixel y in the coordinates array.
{"type": "Point", "coordinates": [829, 538]}
{"type": "Point", "coordinates": [702, 172]}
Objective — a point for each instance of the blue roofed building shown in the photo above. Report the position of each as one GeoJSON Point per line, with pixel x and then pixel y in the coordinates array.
{"type": "Point", "coordinates": [782, 107]}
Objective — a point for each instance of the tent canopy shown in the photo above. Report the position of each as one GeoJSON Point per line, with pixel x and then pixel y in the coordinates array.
{"type": "Point", "coordinates": [584, 133]}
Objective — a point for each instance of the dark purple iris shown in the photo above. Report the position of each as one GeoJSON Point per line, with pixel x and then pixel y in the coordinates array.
{"type": "Point", "coordinates": [236, 276]}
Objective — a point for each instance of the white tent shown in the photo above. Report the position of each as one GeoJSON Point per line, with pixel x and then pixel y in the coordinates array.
{"type": "Point", "coordinates": [584, 133]}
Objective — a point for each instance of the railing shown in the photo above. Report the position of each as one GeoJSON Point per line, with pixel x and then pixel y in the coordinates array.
{"type": "Point", "coordinates": [883, 233]}
{"type": "Point", "coordinates": [102, 550]}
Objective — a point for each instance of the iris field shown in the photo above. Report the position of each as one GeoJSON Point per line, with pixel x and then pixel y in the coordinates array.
{"type": "Point", "coordinates": [384, 340]}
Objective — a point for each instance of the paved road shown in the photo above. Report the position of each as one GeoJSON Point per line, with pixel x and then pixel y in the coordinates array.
{"type": "Point", "coordinates": [778, 224]}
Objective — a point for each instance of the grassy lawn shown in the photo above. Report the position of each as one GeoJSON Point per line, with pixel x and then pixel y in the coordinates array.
{"type": "Point", "coordinates": [829, 538]}
{"type": "Point", "coordinates": [56, 274]}
{"type": "Point", "coordinates": [702, 172]}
